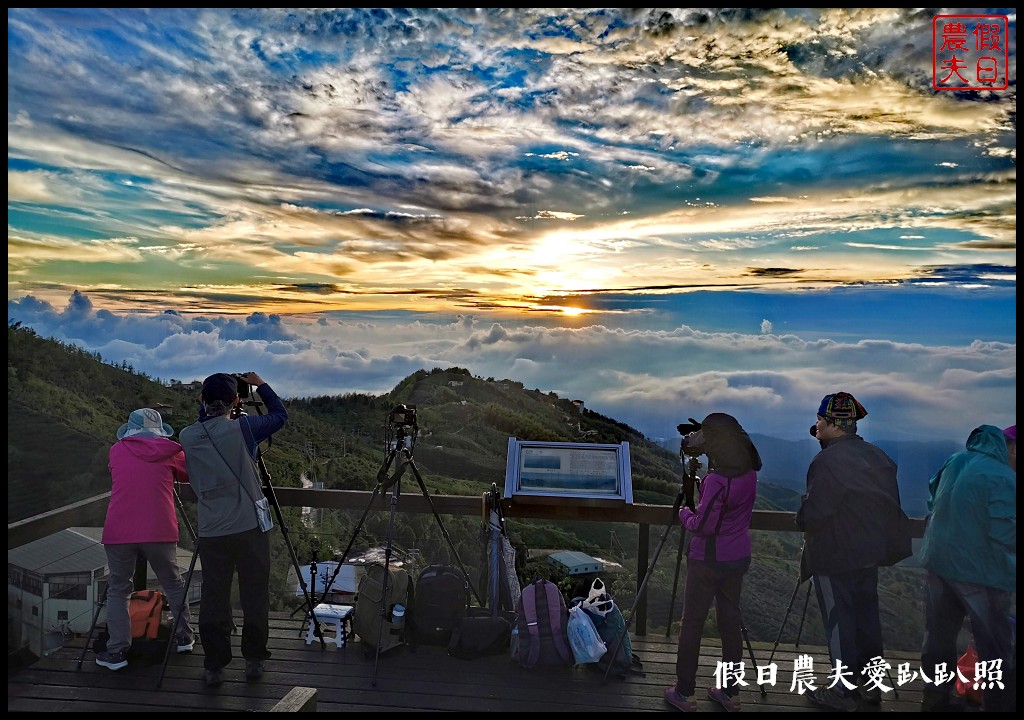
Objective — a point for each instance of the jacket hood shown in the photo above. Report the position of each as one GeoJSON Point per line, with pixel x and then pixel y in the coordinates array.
{"type": "Point", "coordinates": [151, 448]}
{"type": "Point", "coordinates": [990, 440]}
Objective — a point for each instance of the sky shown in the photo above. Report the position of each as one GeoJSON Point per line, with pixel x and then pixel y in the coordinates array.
{"type": "Point", "coordinates": [663, 213]}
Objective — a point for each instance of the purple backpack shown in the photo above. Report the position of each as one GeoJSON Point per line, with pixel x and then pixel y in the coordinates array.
{"type": "Point", "coordinates": [539, 636]}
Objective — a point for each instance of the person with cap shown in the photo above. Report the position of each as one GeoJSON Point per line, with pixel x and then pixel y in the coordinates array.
{"type": "Point", "coordinates": [221, 452]}
{"type": "Point", "coordinates": [141, 520]}
{"type": "Point", "coordinates": [718, 556]}
{"type": "Point", "coordinates": [970, 553]}
{"type": "Point", "coordinates": [853, 523]}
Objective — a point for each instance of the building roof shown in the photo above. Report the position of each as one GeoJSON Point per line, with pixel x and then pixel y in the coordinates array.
{"type": "Point", "coordinates": [575, 562]}
{"type": "Point", "coordinates": [75, 550]}
{"type": "Point", "coordinates": [71, 550]}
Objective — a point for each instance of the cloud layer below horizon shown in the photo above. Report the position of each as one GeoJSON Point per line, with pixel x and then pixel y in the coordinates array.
{"type": "Point", "coordinates": [664, 212]}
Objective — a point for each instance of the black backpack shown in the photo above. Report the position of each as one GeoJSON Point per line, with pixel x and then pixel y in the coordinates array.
{"type": "Point", "coordinates": [442, 599]}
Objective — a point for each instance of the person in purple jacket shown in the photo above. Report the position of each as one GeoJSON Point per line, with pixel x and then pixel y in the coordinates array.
{"type": "Point", "coordinates": [718, 555]}
{"type": "Point", "coordinates": [144, 465]}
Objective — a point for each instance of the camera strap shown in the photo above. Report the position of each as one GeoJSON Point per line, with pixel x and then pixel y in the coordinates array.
{"type": "Point", "coordinates": [241, 484]}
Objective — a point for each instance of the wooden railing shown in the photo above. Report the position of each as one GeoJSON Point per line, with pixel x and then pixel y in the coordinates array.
{"type": "Point", "coordinates": [91, 512]}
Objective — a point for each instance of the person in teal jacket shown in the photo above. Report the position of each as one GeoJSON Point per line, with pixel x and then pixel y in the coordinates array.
{"type": "Point", "coordinates": [970, 553]}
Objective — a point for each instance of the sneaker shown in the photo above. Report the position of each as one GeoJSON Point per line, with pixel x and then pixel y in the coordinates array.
{"type": "Point", "coordinates": [720, 696]}
{"type": "Point", "coordinates": [674, 698]}
{"type": "Point", "coordinates": [185, 645]}
{"type": "Point", "coordinates": [113, 661]}
{"type": "Point", "coordinates": [253, 669]}
{"type": "Point", "coordinates": [213, 678]}
{"type": "Point", "coordinates": [829, 699]}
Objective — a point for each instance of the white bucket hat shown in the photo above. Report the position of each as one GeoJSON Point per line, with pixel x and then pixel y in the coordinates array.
{"type": "Point", "coordinates": [145, 421]}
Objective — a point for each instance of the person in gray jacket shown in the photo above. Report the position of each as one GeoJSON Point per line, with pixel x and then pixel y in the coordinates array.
{"type": "Point", "coordinates": [221, 454]}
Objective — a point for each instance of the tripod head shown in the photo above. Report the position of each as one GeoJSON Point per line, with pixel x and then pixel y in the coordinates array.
{"type": "Point", "coordinates": [400, 431]}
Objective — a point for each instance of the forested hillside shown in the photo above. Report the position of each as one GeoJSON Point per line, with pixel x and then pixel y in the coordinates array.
{"type": "Point", "coordinates": [64, 406]}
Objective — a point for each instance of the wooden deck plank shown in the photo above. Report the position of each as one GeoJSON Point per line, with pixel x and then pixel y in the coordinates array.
{"type": "Point", "coordinates": [407, 680]}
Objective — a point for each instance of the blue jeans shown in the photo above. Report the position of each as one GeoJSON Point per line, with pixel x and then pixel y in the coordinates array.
{"type": "Point", "coordinates": [121, 561]}
{"type": "Point", "coordinates": [946, 603]}
{"type": "Point", "coordinates": [849, 612]}
{"type": "Point", "coordinates": [248, 554]}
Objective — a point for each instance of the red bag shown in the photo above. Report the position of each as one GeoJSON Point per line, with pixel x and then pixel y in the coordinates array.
{"type": "Point", "coordinates": [145, 608]}
{"type": "Point", "coordinates": [968, 690]}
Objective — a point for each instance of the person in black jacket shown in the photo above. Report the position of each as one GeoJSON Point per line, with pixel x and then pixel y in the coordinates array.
{"type": "Point", "coordinates": [852, 523]}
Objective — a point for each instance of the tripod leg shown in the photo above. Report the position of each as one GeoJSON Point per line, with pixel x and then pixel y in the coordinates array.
{"type": "Point", "coordinates": [447, 537]}
{"type": "Point", "coordinates": [178, 615]}
{"type": "Point", "coordinates": [355, 533]}
{"type": "Point", "coordinates": [268, 489]}
{"type": "Point", "coordinates": [750, 650]}
{"type": "Point", "coordinates": [803, 615]}
{"type": "Point", "coordinates": [643, 585]}
{"type": "Point", "coordinates": [675, 584]}
{"type": "Point", "coordinates": [782, 625]}
{"type": "Point", "coordinates": [387, 576]}
{"type": "Point", "coordinates": [96, 616]}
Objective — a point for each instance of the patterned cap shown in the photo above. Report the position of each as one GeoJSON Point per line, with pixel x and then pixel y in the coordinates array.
{"type": "Point", "coordinates": [841, 409]}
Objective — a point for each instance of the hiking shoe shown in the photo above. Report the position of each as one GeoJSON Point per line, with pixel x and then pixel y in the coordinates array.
{"type": "Point", "coordinates": [829, 699]}
{"type": "Point", "coordinates": [871, 696]}
{"type": "Point", "coordinates": [111, 660]}
{"type": "Point", "coordinates": [679, 701]}
{"type": "Point", "coordinates": [213, 678]}
{"type": "Point", "coordinates": [185, 645]}
{"type": "Point", "coordinates": [723, 698]}
{"type": "Point", "coordinates": [253, 669]}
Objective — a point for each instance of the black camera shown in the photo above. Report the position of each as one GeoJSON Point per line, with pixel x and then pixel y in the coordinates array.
{"type": "Point", "coordinates": [403, 416]}
{"type": "Point", "coordinates": [244, 388]}
{"type": "Point", "coordinates": [692, 443]}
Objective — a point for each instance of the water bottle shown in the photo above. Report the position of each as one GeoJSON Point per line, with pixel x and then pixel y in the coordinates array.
{"type": "Point", "coordinates": [397, 619]}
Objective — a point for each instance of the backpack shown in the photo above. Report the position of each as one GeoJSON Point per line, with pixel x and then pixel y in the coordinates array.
{"type": "Point", "coordinates": [366, 618]}
{"type": "Point", "coordinates": [145, 608]}
{"type": "Point", "coordinates": [442, 598]}
{"type": "Point", "coordinates": [149, 634]}
{"type": "Point", "coordinates": [539, 636]}
{"type": "Point", "coordinates": [610, 625]}
{"type": "Point", "coordinates": [480, 633]}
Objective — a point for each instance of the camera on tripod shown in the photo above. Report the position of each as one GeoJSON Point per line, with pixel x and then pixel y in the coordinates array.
{"type": "Point", "coordinates": [692, 444]}
{"type": "Point", "coordinates": [403, 416]}
{"type": "Point", "coordinates": [244, 388]}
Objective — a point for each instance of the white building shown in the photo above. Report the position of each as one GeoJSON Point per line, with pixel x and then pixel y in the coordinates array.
{"type": "Point", "coordinates": [54, 584]}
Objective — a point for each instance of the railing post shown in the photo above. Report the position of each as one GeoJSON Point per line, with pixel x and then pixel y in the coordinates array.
{"type": "Point", "coordinates": [643, 551]}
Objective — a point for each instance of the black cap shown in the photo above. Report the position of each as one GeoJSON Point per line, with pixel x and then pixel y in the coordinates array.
{"type": "Point", "coordinates": [221, 387]}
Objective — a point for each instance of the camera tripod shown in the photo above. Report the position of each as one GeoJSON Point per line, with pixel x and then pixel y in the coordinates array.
{"type": "Point", "coordinates": [399, 455]}
{"type": "Point", "coordinates": [803, 615]}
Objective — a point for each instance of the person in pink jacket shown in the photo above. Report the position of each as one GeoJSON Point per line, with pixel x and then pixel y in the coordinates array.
{"type": "Point", "coordinates": [144, 465]}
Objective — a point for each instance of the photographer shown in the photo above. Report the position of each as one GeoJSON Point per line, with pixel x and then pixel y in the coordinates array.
{"type": "Point", "coordinates": [970, 553]}
{"type": "Point", "coordinates": [221, 452]}
{"type": "Point", "coordinates": [144, 465]}
{"type": "Point", "coordinates": [852, 523]}
{"type": "Point", "coordinates": [719, 553]}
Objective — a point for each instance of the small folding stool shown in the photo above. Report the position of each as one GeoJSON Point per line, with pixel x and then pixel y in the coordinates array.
{"type": "Point", "coordinates": [327, 614]}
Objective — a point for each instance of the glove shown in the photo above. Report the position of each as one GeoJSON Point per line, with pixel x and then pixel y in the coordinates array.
{"type": "Point", "coordinates": [684, 513]}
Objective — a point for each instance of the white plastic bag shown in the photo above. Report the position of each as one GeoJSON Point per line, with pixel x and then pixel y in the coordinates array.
{"type": "Point", "coordinates": [587, 645]}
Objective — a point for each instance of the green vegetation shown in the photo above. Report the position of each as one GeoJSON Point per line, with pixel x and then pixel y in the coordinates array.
{"type": "Point", "coordinates": [60, 397]}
